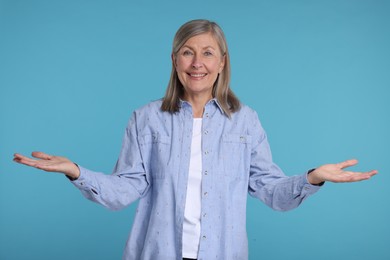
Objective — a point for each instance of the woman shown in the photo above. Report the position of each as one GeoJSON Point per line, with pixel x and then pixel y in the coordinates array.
{"type": "Point", "coordinates": [191, 158]}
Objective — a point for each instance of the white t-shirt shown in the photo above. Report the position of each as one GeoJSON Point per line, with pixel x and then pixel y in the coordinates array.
{"type": "Point", "coordinates": [192, 213]}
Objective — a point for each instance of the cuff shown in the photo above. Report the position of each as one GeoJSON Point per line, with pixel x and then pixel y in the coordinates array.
{"type": "Point", "coordinates": [85, 181]}
{"type": "Point", "coordinates": [307, 180]}
{"type": "Point", "coordinates": [308, 187]}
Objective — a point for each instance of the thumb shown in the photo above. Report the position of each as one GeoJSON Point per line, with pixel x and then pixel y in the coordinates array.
{"type": "Point", "coordinates": [347, 163]}
{"type": "Point", "coordinates": [42, 155]}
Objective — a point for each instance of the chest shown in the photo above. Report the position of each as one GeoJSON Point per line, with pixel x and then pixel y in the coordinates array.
{"type": "Point", "coordinates": [165, 145]}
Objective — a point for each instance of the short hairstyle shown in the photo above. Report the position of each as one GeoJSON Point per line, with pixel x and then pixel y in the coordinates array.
{"type": "Point", "coordinates": [221, 89]}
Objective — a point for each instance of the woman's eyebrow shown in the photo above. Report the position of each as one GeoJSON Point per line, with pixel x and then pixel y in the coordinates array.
{"type": "Point", "coordinates": [203, 48]}
{"type": "Point", "coordinates": [186, 46]}
{"type": "Point", "coordinates": [209, 47]}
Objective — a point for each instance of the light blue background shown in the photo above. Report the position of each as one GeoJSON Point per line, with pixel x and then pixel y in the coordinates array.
{"type": "Point", "coordinates": [317, 72]}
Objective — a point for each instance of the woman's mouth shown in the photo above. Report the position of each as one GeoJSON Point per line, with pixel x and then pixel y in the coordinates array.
{"type": "Point", "coordinates": [197, 75]}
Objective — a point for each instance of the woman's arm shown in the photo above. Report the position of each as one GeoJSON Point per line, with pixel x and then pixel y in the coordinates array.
{"type": "Point", "coordinates": [128, 182]}
{"type": "Point", "coordinates": [268, 183]}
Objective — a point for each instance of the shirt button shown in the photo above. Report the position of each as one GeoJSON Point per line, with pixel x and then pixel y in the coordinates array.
{"type": "Point", "coordinates": [205, 193]}
{"type": "Point", "coordinates": [206, 172]}
{"type": "Point", "coordinates": [206, 152]}
{"type": "Point", "coordinates": [204, 215]}
{"type": "Point", "coordinates": [206, 132]}
{"type": "Point", "coordinates": [204, 237]}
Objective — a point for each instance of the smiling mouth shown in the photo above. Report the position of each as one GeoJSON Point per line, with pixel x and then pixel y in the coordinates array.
{"type": "Point", "coordinates": [197, 75]}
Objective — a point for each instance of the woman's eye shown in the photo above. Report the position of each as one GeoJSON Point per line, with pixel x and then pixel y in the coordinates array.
{"type": "Point", "coordinates": [208, 53]}
{"type": "Point", "coordinates": [187, 53]}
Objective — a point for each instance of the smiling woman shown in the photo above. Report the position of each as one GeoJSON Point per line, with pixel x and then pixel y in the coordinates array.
{"type": "Point", "coordinates": [198, 65]}
{"type": "Point", "coordinates": [191, 159]}
{"type": "Point", "coordinates": [200, 45]}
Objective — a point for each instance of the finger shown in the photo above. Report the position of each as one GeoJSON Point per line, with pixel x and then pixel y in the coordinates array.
{"type": "Point", "coordinates": [45, 165]}
{"type": "Point", "coordinates": [347, 163]}
{"type": "Point", "coordinates": [42, 155]}
{"type": "Point", "coordinates": [26, 161]}
{"type": "Point", "coordinates": [357, 176]}
{"type": "Point", "coordinates": [362, 177]}
{"type": "Point", "coordinates": [372, 173]}
{"type": "Point", "coordinates": [19, 156]}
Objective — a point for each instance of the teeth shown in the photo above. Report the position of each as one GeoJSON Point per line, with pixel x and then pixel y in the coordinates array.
{"type": "Point", "coordinates": [197, 75]}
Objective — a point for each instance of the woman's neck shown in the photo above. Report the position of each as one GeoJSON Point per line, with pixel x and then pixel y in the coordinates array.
{"type": "Point", "coordinates": [198, 102]}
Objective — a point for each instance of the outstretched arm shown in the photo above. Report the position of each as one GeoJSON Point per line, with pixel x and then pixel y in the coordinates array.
{"type": "Point", "coordinates": [128, 182]}
{"type": "Point", "coordinates": [336, 173]}
{"type": "Point", "coordinates": [112, 191]}
{"type": "Point", "coordinates": [49, 163]}
{"type": "Point", "coordinates": [268, 183]}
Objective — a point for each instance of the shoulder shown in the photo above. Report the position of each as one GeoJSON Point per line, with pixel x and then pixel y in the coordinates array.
{"type": "Point", "coordinates": [249, 117]}
{"type": "Point", "coordinates": [151, 109]}
{"type": "Point", "coordinates": [245, 112]}
{"type": "Point", "coordinates": [143, 113]}
{"type": "Point", "coordinates": [149, 114]}
{"type": "Point", "coordinates": [153, 106]}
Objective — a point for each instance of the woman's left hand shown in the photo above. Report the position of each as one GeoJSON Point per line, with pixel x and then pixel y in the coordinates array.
{"type": "Point", "coordinates": [336, 173]}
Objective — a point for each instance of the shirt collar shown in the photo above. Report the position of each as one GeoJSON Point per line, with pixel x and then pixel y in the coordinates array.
{"type": "Point", "coordinates": [213, 100]}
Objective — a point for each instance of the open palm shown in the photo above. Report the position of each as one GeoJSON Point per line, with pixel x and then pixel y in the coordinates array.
{"type": "Point", "coordinates": [336, 173]}
{"type": "Point", "coordinates": [49, 163]}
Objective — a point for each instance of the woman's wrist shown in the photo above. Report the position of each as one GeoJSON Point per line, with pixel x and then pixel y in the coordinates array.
{"type": "Point", "coordinates": [313, 178]}
{"type": "Point", "coordinates": [74, 174]}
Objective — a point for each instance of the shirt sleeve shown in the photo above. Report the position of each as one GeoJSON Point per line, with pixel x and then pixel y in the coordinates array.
{"type": "Point", "coordinates": [127, 183]}
{"type": "Point", "coordinates": [267, 181]}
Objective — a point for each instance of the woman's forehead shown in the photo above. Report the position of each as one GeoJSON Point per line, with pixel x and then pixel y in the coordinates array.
{"type": "Point", "coordinates": [202, 41]}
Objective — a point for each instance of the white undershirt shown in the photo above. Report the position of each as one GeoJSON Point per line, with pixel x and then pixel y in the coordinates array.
{"type": "Point", "coordinates": [191, 224]}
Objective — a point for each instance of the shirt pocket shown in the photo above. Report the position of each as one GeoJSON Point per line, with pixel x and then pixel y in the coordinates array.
{"type": "Point", "coordinates": [236, 150]}
{"type": "Point", "coordinates": [155, 150]}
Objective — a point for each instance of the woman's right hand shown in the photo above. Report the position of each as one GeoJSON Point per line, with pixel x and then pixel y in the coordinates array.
{"type": "Point", "coordinates": [49, 163]}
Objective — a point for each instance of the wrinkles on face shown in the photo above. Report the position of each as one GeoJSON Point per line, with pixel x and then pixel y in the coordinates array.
{"type": "Point", "coordinates": [198, 63]}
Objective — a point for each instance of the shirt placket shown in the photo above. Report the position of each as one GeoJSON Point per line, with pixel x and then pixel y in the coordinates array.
{"type": "Point", "coordinates": [207, 152]}
{"type": "Point", "coordinates": [186, 119]}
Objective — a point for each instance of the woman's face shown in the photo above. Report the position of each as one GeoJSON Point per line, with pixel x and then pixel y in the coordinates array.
{"type": "Point", "coordinates": [198, 63]}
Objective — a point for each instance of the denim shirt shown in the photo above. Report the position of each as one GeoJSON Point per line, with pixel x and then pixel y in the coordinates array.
{"type": "Point", "coordinates": [153, 167]}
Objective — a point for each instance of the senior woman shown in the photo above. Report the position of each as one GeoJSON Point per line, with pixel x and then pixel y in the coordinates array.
{"type": "Point", "coordinates": [191, 158]}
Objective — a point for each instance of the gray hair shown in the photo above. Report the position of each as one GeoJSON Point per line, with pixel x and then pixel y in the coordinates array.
{"type": "Point", "coordinates": [221, 89]}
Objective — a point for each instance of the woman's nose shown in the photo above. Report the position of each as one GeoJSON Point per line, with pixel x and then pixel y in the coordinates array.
{"type": "Point", "coordinates": [196, 62]}
{"type": "Point", "coordinates": [196, 65]}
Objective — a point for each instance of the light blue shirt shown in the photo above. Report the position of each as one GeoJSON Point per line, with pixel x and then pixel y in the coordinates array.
{"type": "Point", "coordinates": [153, 167]}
